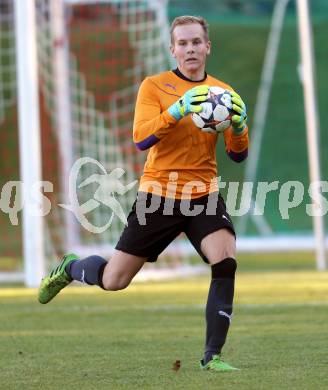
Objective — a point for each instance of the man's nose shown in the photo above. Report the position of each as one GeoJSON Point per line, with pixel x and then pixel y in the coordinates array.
{"type": "Point", "coordinates": [190, 48]}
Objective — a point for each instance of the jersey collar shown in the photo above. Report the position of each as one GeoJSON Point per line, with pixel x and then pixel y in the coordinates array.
{"type": "Point", "coordinates": [183, 77]}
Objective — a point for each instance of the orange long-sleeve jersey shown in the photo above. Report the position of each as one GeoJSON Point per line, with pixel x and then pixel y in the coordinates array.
{"type": "Point", "coordinates": [181, 161]}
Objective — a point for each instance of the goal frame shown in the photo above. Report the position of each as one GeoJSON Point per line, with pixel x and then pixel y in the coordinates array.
{"type": "Point", "coordinates": [29, 134]}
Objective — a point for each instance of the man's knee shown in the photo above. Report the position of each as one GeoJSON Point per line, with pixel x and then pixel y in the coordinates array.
{"type": "Point", "coordinates": [224, 252]}
{"type": "Point", "coordinates": [219, 245]}
{"type": "Point", "coordinates": [120, 270]}
{"type": "Point", "coordinates": [115, 279]}
{"type": "Point", "coordinates": [115, 283]}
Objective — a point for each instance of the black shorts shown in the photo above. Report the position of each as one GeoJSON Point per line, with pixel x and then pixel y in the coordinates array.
{"type": "Point", "coordinates": [148, 234]}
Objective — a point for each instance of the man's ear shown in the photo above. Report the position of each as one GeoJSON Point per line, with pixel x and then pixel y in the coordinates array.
{"type": "Point", "coordinates": [208, 48]}
{"type": "Point", "coordinates": [172, 51]}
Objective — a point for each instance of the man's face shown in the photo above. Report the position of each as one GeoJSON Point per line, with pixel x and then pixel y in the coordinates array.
{"type": "Point", "coordinates": [190, 48]}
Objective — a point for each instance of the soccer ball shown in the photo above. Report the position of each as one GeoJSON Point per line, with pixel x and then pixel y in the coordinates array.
{"type": "Point", "coordinates": [217, 111]}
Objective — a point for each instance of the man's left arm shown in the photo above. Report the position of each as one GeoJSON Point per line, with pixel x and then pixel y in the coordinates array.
{"type": "Point", "coordinates": [236, 137]}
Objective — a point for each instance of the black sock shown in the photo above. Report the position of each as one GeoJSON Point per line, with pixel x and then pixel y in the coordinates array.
{"type": "Point", "coordinates": [89, 270]}
{"type": "Point", "coordinates": [219, 306]}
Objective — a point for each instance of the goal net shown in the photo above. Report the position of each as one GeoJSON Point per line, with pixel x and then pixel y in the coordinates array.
{"type": "Point", "coordinates": [10, 228]}
{"type": "Point", "coordinates": [93, 55]}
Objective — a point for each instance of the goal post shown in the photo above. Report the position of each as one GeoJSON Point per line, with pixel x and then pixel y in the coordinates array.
{"type": "Point", "coordinates": [312, 125]}
{"type": "Point", "coordinates": [29, 141]}
{"type": "Point", "coordinates": [63, 108]}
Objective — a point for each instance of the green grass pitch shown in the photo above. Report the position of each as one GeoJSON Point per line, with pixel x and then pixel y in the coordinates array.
{"type": "Point", "coordinates": [89, 339]}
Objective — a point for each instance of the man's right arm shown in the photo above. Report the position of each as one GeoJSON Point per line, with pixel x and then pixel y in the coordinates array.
{"type": "Point", "coordinates": [150, 124]}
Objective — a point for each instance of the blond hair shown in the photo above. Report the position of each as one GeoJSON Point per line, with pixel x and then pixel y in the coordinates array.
{"type": "Point", "coordinates": [188, 19]}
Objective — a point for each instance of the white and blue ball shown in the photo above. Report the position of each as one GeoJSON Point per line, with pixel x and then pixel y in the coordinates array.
{"type": "Point", "coordinates": [217, 111]}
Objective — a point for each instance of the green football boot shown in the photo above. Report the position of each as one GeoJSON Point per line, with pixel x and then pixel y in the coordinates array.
{"type": "Point", "coordinates": [56, 280]}
{"type": "Point", "coordinates": [217, 364]}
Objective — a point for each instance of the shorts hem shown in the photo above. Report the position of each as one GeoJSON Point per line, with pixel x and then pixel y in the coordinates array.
{"type": "Point", "coordinates": [149, 258]}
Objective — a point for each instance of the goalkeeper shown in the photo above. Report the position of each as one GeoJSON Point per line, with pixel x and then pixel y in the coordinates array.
{"type": "Point", "coordinates": [180, 178]}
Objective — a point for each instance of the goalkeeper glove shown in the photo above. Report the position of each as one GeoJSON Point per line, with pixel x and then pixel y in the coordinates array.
{"type": "Point", "coordinates": [239, 120]}
{"type": "Point", "coordinates": [189, 102]}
